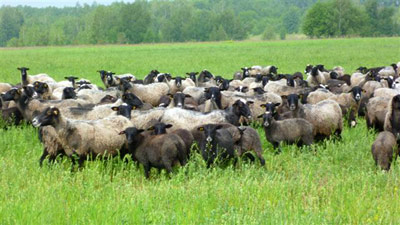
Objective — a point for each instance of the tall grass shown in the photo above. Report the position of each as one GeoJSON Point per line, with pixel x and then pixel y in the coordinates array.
{"type": "Point", "coordinates": [336, 183]}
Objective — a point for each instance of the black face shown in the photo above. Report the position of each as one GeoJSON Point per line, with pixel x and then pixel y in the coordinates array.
{"type": "Point", "coordinates": [68, 93]}
{"type": "Point", "coordinates": [48, 117]}
{"type": "Point", "coordinates": [390, 81]}
{"type": "Point", "coordinates": [290, 81]}
{"type": "Point", "coordinates": [131, 133]}
{"type": "Point", "coordinates": [153, 73]}
{"type": "Point", "coordinates": [123, 110]}
{"type": "Point", "coordinates": [333, 75]}
{"type": "Point", "coordinates": [357, 92]}
{"type": "Point", "coordinates": [102, 74]}
{"type": "Point", "coordinates": [246, 72]}
{"type": "Point", "coordinates": [273, 70]}
{"type": "Point", "coordinates": [72, 80]}
{"type": "Point", "coordinates": [258, 90]}
{"type": "Point", "coordinates": [224, 86]}
{"type": "Point", "coordinates": [12, 94]}
{"type": "Point", "coordinates": [293, 101]}
{"type": "Point", "coordinates": [219, 80]}
{"type": "Point", "coordinates": [132, 100]}
{"type": "Point", "coordinates": [192, 75]}
{"type": "Point", "coordinates": [125, 85]}
{"type": "Point", "coordinates": [270, 107]}
{"type": "Point", "coordinates": [394, 66]}
{"type": "Point", "coordinates": [207, 74]}
{"type": "Point", "coordinates": [258, 78]}
{"type": "Point", "coordinates": [213, 93]}
{"type": "Point", "coordinates": [210, 130]}
{"type": "Point", "coordinates": [178, 81]}
{"type": "Point", "coordinates": [40, 87]}
{"type": "Point", "coordinates": [314, 71]}
{"type": "Point", "coordinates": [242, 109]}
{"type": "Point", "coordinates": [159, 128]}
{"type": "Point", "coordinates": [179, 99]}
{"type": "Point", "coordinates": [396, 102]}
{"type": "Point", "coordinates": [265, 81]}
{"type": "Point", "coordinates": [23, 72]}
{"type": "Point", "coordinates": [321, 67]}
{"type": "Point", "coordinates": [110, 78]}
{"type": "Point", "coordinates": [362, 69]}
{"type": "Point", "coordinates": [242, 89]}
{"type": "Point", "coordinates": [267, 118]}
{"type": "Point", "coordinates": [308, 68]}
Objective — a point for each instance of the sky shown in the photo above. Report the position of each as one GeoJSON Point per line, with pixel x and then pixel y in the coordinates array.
{"type": "Point", "coordinates": [57, 3]}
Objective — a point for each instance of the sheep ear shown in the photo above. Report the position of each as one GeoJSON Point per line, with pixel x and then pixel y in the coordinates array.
{"type": "Point", "coordinates": [260, 116]}
{"type": "Point", "coordinates": [140, 131]}
{"type": "Point", "coordinates": [364, 91]}
{"type": "Point", "coordinates": [133, 107]}
{"type": "Point", "coordinates": [150, 128]}
{"type": "Point", "coordinates": [263, 106]}
{"type": "Point", "coordinates": [187, 96]}
{"type": "Point", "coordinates": [249, 102]}
{"type": "Point", "coordinates": [168, 126]}
{"type": "Point", "coordinates": [55, 112]}
{"type": "Point", "coordinates": [277, 104]}
{"type": "Point", "coordinates": [117, 78]}
{"type": "Point", "coordinates": [242, 129]}
{"type": "Point", "coordinates": [200, 128]}
{"type": "Point", "coordinates": [196, 73]}
{"type": "Point", "coordinates": [122, 132]}
{"type": "Point", "coordinates": [66, 78]}
{"type": "Point", "coordinates": [188, 74]}
{"type": "Point", "coordinates": [19, 91]}
{"type": "Point", "coordinates": [115, 108]}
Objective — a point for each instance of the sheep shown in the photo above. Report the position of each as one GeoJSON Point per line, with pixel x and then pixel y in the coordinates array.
{"type": "Point", "coordinates": [141, 119]}
{"type": "Point", "coordinates": [388, 71]}
{"type": "Point", "coordinates": [159, 151]}
{"type": "Point", "coordinates": [197, 93]}
{"type": "Point", "coordinates": [30, 79]}
{"type": "Point", "coordinates": [383, 148]}
{"type": "Point", "coordinates": [4, 87]}
{"type": "Point", "coordinates": [84, 138]}
{"type": "Point", "coordinates": [182, 101]}
{"type": "Point", "coordinates": [263, 70]}
{"type": "Point", "coordinates": [52, 146]}
{"type": "Point", "coordinates": [95, 96]}
{"type": "Point", "coordinates": [249, 141]}
{"type": "Point", "coordinates": [319, 95]}
{"type": "Point", "coordinates": [186, 119]}
{"type": "Point", "coordinates": [288, 130]}
{"type": "Point", "coordinates": [376, 112]}
{"type": "Point", "coordinates": [325, 116]}
{"type": "Point", "coordinates": [150, 78]}
{"type": "Point", "coordinates": [150, 93]}
{"type": "Point", "coordinates": [357, 78]}
{"type": "Point", "coordinates": [316, 77]}
{"type": "Point", "coordinates": [392, 119]}
{"type": "Point", "coordinates": [385, 92]}
{"type": "Point", "coordinates": [217, 143]}
{"type": "Point", "coordinates": [11, 116]}
{"type": "Point", "coordinates": [185, 135]}
{"type": "Point", "coordinates": [179, 84]}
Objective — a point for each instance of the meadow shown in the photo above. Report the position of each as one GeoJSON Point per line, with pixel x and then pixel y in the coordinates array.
{"type": "Point", "coordinates": [337, 183]}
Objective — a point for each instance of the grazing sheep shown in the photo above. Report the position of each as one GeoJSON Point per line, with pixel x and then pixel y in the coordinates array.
{"type": "Point", "coordinates": [84, 138]}
{"type": "Point", "coordinates": [159, 151]}
{"type": "Point", "coordinates": [383, 148]}
{"type": "Point", "coordinates": [150, 93]}
{"type": "Point", "coordinates": [392, 119]}
{"type": "Point", "coordinates": [249, 141]}
{"type": "Point", "coordinates": [217, 143]}
{"type": "Point", "coordinates": [288, 130]}
{"type": "Point", "coordinates": [30, 79]}
{"type": "Point", "coordinates": [376, 112]}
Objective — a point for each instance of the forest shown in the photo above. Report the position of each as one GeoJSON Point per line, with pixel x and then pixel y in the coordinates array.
{"type": "Point", "coordinates": [196, 20]}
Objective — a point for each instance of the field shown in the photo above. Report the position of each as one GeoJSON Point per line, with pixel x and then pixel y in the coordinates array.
{"type": "Point", "coordinates": [336, 184]}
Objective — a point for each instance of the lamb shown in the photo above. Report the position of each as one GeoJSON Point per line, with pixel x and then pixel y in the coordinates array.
{"type": "Point", "coordinates": [392, 119]}
{"type": "Point", "coordinates": [84, 138]}
{"type": "Point", "coordinates": [30, 79]}
{"type": "Point", "coordinates": [185, 135]}
{"type": "Point", "coordinates": [383, 148]}
{"type": "Point", "coordinates": [249, 141]}
{"type": "Point", "coordinates": [150, 93]}
{"type": "Point", "coordinates": [216, 143]}
{"type": "Point", "coordinates": [288, 130]}
{"type": "Point", "coordinates": [159, 151]}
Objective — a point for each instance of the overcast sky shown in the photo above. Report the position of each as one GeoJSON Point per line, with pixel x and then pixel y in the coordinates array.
{"type": "Point", "coordinates": [57, 3]}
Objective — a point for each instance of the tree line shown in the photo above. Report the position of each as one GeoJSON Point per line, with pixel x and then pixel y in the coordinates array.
{"type": "Point", "coordinates": [195, 20]}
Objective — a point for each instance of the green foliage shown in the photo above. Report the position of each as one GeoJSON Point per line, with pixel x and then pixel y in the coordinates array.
{"type": "Point", "coordinates": [335, 183]}
{"type": "Point", "coordinates": [269, 33]}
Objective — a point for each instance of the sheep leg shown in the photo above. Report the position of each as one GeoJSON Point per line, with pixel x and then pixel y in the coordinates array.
{"type": "Point", "coordinates": [146, 167]}
{"type": "Point", "coordinates": [276, 145]}
{"type": "Point", "coordinates": [352, 118]}
{"type": "Point", "coordinates": [260, 157]}
{"type": "Point", "coordinates": [81, 160]}
{"type": "Point", "coordinates": [45, 153]}
{"type": "Point", "coordinates": [249, 156]}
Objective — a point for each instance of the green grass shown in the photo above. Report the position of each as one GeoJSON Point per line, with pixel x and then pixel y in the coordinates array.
{"type": "Point", "coordinates": [336, 184]}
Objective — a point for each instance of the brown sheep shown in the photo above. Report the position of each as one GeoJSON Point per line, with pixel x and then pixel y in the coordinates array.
{"type": "Point", "coordinates": [382, 149]}
{"type": "Point", "coordinates": [392, 119]}
{"type": "Point", "coordinates": [249, 141]}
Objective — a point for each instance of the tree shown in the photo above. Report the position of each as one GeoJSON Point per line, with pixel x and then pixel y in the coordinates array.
{"type": "Point", "coordinates": [218, 34]}
{"type": "Point", "coordinates": [318, 21]}
{"type": "Point", "coordinates": [291, 20]}
{"type": "Point", "coordinates": [11, 21]}
{"type": "Point", "coordinates": [135, 21]}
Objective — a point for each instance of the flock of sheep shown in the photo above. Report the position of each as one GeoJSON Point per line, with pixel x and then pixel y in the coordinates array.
{"type": "Point", "coordinates": [158, 120]}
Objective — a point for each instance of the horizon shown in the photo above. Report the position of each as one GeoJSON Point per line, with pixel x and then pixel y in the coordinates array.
{"type": "Point", "coordinates": [58, 4]}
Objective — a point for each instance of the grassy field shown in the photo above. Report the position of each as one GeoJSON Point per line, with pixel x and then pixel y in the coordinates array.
{"type": "Point", "coordinates": [336, 184]}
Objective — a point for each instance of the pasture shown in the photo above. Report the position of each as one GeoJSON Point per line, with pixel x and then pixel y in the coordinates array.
{"type": "Point", "coordinates": [337, 183]}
